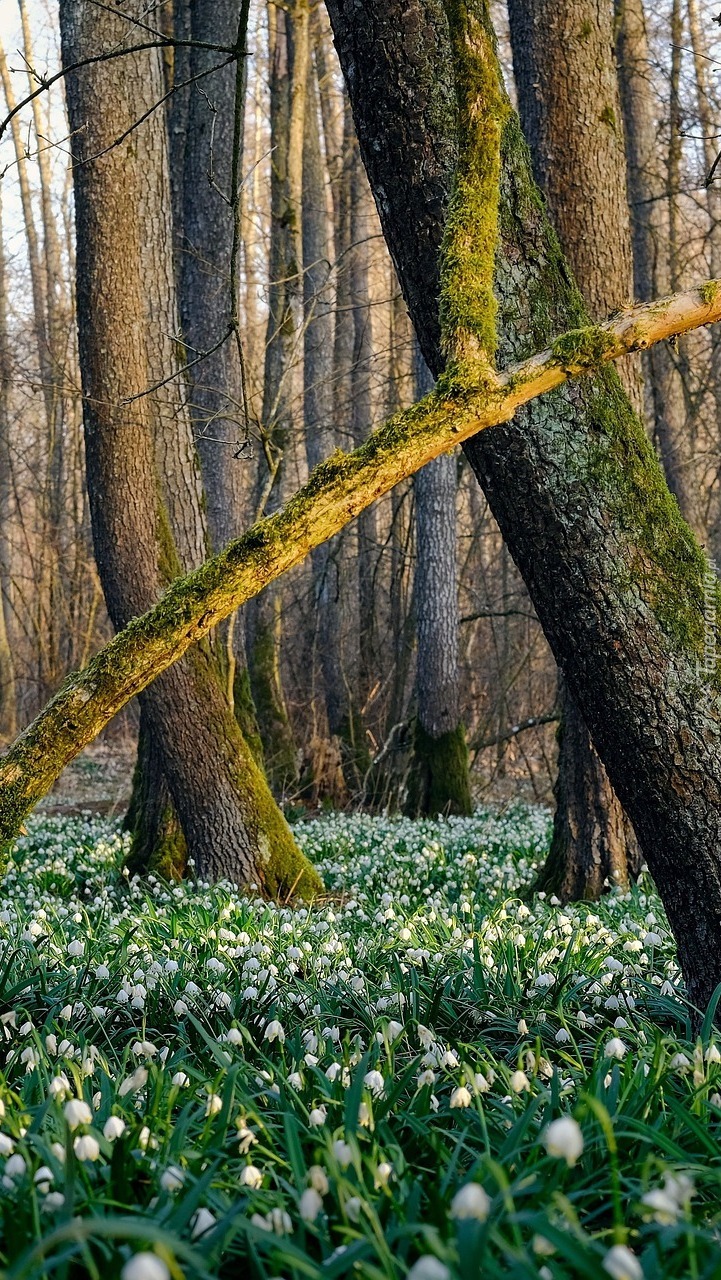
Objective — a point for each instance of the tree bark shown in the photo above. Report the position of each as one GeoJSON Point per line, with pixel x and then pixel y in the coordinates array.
{"type": "Point", "coordinates": [702, 64]}
{"type": "Point", "coordinates": [8, 693]}
{"type": "Point", "coordinates": [569, 107]}
{"type": "Point", "coordinates": [289, 56]}
{"type": "Point", "coordinates": [143, 480]}
{"type": "Point", "coordinates": [610, 565]}
{"type": "Point", "coordinates": [439, 781]}
{"type": "Point", "coordinates": [650, 235]}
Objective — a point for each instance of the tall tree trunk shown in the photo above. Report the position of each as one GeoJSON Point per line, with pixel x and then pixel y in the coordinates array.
{"type": "Point", "coordinates": [610, 566]}
{"type": "Point", "coordinates": [210, 252]}
{"type": "Point", "coordinates": [568, 102]}
{"type": "Point", "coordinates": [361, 205]}
{"type": "Point", "coordinates": [321, 439]}
{"type": "Point", "coordinates": [439, 780]}
{"type": "Point", "coordinates": [402, 611]}
{"type": "Point", "coordinates": [8, 693]}
{"type": "Point", "coordinates": [289, 51]}
{"type": "Point", "coordinates": [702, 63]}
{"type": "Point", "coordinates": [142, 478]}
{"type": "Point", "coordinates": [650, 235]}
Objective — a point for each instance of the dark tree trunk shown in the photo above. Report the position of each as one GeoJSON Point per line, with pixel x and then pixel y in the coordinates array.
{"type": "Point", "coordinates": [568, 102]}
{"type": "Point", "coordinates": [615, 575]}
{"type": "Point", "coordinates": [143, 484]}
{"type": "Point", "coordinates": [439, 781]}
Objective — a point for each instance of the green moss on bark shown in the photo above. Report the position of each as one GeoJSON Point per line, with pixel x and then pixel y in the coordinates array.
{"type": "Point", "coordinates": [272, 717]}
{"type": "Point", "coordinates": [439, 780]}
{"type": "Point", "coordinates": [467, 303]}
{"type": "Point", "coordinates": [244, 709]}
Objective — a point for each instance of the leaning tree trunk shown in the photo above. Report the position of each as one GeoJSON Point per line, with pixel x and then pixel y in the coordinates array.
{"type": "Point", "coordinates": [650, 238]}
{"type": "Point", "coordinates": [144, 487]}
{"type": "Point", "coordinates": [569, 107]}
{"type": "Point", "coordinates": [615, 575]}
{"type": "Point", "coordinates": [288, 32]}
{"type": "Point", "coordinates": [439, 781]}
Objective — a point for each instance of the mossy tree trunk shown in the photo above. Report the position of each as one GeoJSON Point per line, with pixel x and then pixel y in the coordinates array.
{"type": "Point", "coordinates": [289, 36]}
{"type": "Point", "coordinates": [569, 106]}
{"type": "Point", "coordinates": [143, 483]}
{"type": "Point", "coordinates": [439, 780]}
{"type": "Point", "coordinates": [616, 576]}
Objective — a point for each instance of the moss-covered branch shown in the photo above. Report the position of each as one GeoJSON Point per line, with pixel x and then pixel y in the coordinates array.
{"type": "Point", "coordinates": [335, 493]}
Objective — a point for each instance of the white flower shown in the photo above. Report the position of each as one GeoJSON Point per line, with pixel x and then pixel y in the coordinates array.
{"type": "Point", "coordinates": [343, 1153]}
{"type": "Point", "coordinates": [179, 1008]}
{"type": "Point", "coordinates": [134, 1082]}
{"type": "Point", "coordinates": [374, 1081]}
{"type": "Point", "coordinates": [317, 1117]}
{"type": "Point", "coordinates": [53, 1201]}
{"type": "Point", "coordinates": [114, 1128]}
{"type": "Point", "coordinates": [76, 947]}
{"type": "Point", "coordinates": [43, 1178]}
{"type": "Point", "coordinates": [87, 1147]}
{"type": "Point", "coordinates": [382, 1174]}
{"type": "Point", "coordinates": [103, 971]}
{"type": "Point", "coordinates": [680, 1063]}
{"type": "Point", "coordinates": [274, 1031]}
{"type": "Point", "coordinates": [616, 1049]}
{"type": "Point", "coordinates": [310, 1204]}
{"type": "Point", "coordinates": [428, 1268]}
{"type": "Point", "coordinates": [471, 1202]}
{"type": "Point", "coordinates": [652, 940]}
{"type": "Point", "coordinates": [564, 1140]}
{"type": "Point", "coordinates": [461, 1097]}
{"type": "Point", "coordinates": [425, 1078]}
{"type": "Point", "coordinates": [77, 1112]}
{"type": "Point", "coordinates": [712, 1054]}
{"type": "Point", "coordinates": [59, 1087]}
{"type": "Point", "coordinates": [201, 1221]}
{"type": "Point", "coordinates": [15, 1167]}
{"type": "Point", "coordinates": [246, 1138]}
{"type": "Point", "coordinates": [172, 1178]}
{"type": "Point", "coordinates": [353, 1206]}
{"type": "Point", "coordinates": [180, 1080]}
{"type": "Point", "coordinates": [213, 1105]}
{"type": "Point", "coordinates": [251, 1177]}
{"type": "Point", "coordinates": [621, 1264]}
{"type": "Point", "coordinates": [664, 1207]}
{"type": "Point", "coordinates": [562, 1036]}
{"type": "Point", "coordinates": [145, 1266]}
{"type": "Point", "coordinates": [519, 1082]}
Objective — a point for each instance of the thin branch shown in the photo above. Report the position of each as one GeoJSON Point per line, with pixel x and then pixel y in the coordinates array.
{"type": "Point", "coordinates": [533, 722]}
{"type": "Point", "coordinates": [46, 82]}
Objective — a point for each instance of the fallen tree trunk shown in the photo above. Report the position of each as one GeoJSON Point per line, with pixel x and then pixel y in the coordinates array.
{"type": "Point", "coordinates": [337, 491]}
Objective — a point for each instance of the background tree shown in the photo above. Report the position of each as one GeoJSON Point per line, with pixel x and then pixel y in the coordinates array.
{"type": "Point", "coordinates": [143, 480]}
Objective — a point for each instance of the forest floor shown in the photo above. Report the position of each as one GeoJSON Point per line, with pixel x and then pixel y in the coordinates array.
{"type": "Point", "coordinates": [197, 1084]}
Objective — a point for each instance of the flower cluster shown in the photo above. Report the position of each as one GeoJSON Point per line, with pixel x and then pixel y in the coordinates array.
{"type": "Point", "coordinates": [428, 1067]}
